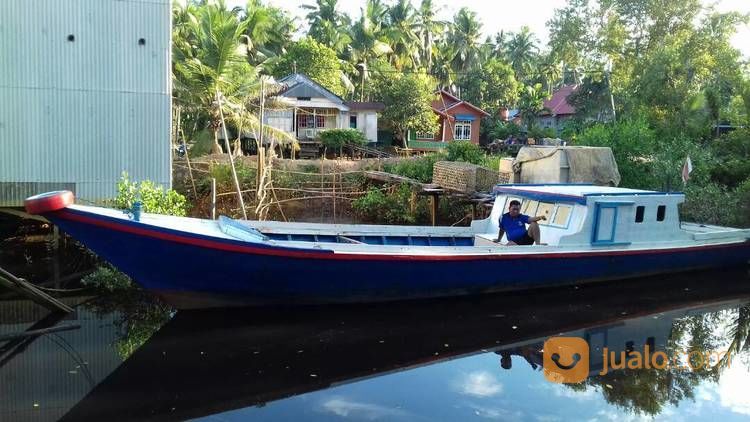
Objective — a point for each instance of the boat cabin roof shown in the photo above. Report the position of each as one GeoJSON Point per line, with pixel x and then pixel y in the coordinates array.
{"type": "Point", "coordinates": [576, 193]}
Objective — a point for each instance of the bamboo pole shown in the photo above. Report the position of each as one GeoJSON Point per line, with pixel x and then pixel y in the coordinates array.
{"type": "Point", "coordinates": [27, 289]}
{"type": "Point", "coordinates": [213, 198]}
{"type": "Point", "coordinates": [231, 158]}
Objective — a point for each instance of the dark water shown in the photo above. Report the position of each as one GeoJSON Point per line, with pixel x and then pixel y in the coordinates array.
{"type": "Point", "coordinates": [129, 358]}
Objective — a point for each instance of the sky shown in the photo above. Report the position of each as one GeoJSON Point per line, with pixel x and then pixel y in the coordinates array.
{"type": "Point", "coordinates": [508, 15]}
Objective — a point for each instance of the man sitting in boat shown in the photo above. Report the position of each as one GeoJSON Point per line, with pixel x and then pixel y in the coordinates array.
{"type": "Point", "coordinates": [513, 224]}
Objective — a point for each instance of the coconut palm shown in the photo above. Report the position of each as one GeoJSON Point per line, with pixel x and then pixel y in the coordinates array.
{"type": "Point", "coordinates": [211, 61]}
{"type": "Point", "coordinates": [464, 39]}
{"type": "Point", "coordinates": [401, 35]}
{"type": "Point", "coordinates": [531, 103]}
{"type": "Point", "coordinates": [327, 24]}
{"type": "Point", "coordinates": [427, 29]}
{"type": "Point", "coordinates": [367, 42]}
{"type": "Point", "coordinates": [268, 29]}
{"type": "Point", "coordinates": [522, 51]}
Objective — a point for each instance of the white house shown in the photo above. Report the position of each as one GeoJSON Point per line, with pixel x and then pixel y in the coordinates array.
{"type": "Point", "coordinates": [308, 109]}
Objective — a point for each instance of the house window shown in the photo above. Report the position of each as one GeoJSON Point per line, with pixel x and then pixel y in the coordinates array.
{"type": "Point", "coordinates": [320, 121]}
{"type": "Point", "coordinates": [661, 212]}
{"type": "Point", "coordinates": [639, 211]}
{"type": "Point", "coordinates": [352, 122]}
{"type": "Point", "coordinates": [425, 135]}
{"type": "Point", "coordinates": [462, 131]}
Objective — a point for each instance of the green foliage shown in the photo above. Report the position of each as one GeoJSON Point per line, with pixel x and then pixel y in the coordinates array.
{"type": "Point", "coordinates": [464, 151]}
{"type": "Point", "coordinates": [202, 143]}
{"type": "Point", "coordinates": [491, 87]}
{"type": "Point", "coordinates": [632, 143]}
{"type": "Point", "coordinates": [337, 138]}
{"type": "Point", "coordinates": [709, 204]}
{"type": "Point", "coordinates": [107, 279]}
{"type": "Point", "coordinates": [154, 199]}
{"type": "Point", "coordinates": [418, 168]}
{"type": "Point", "coordinates": [531, 103]}
{"type": "Point", "coordinates": [407, 99]}
{"type": "Point", "coordinates": [316, 61]}
{"type": "Point", "coordinates": [385, 207]}
{"type": "Point", "coordinates": [498, 129]}
{"type": "Point", "coordinates": [733, 155]}
{"type": "Point", "coordinates": [538, 132]}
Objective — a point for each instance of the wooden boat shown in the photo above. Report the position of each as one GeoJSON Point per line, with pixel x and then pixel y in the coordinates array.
{"type": "Point", "coordinates": [592, 233]}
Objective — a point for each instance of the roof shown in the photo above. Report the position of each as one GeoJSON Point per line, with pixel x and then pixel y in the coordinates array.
{"type": "Point", "coordinates": [299, 85]}
{"type": "Point", "coordinates": [443, 107]}
{"type": "Point", "coordinates": [572, 192]}
{"type": "Point", "coordinates": [558, 103]}
{"type": "Point", "coordinates": [365, 105]}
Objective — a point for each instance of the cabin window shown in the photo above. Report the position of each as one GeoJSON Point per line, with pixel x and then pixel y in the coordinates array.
{"type": "Point", "coordinates": [562, 215]}
{"type": "Point", "coordinates": [639, 211]}
{"type": "Point", "coordinates": [544, 209]}
{"type": "Point", "coordinates": [462, 130]}
{"type": "Point", "coordinates": [529, 207]}
{"type": "Point", "coordinates": [661, 212]}
{"type": "Point", "coordinates": [352, 122]}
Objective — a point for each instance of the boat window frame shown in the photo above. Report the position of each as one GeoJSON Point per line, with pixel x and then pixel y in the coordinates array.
{"type": "Point", "coordinates": [524, 207]}
{"type": "Point", "coordinates": [567, 220]}
{"type": "Point", "coordinates": [640, 211]}
{"type": "Point", "coordinates": [661, 213]}
{"type": "Point", "coordinates": [551, 214]}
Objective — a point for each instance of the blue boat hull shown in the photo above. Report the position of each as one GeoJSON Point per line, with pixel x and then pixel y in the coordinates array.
{"type": "Point", "coordinates": [199, 271]}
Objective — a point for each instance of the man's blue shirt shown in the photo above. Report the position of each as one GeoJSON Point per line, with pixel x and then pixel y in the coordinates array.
{"type": "Point", "coordinates": [514, 228]}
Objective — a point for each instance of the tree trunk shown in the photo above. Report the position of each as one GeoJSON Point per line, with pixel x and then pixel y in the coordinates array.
{"type": "Point", "coordinates": [216, 148]}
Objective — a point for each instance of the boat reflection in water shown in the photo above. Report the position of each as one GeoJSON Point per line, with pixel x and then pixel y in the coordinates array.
{"type": "Point", "coordinates": [207, 362]}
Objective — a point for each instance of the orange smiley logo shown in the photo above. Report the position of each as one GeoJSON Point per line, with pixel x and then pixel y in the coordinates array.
{"type": "Point", "coordinates": [566, 359]}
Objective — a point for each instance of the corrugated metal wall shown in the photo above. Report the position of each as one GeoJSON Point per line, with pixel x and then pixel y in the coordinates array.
{"type": "Point", "coordinates": [84, 95]}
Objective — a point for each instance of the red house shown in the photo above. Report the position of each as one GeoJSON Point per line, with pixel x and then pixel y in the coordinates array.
{"type": "Point", "coordinates": [458, 121]}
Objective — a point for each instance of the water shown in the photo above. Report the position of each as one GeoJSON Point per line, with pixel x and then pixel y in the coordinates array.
{"type": "Point", "coordinates": [467, 359]}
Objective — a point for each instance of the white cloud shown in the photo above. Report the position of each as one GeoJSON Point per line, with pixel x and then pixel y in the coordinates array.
{"type": "Point", "coordinates": [358, 410]}
{"type": "Point", "coordinates": [480, 384]}
{"type": "Point", "coordinates": [732, 389]}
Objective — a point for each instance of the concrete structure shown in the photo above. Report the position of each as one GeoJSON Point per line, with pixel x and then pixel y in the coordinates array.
{"type": "Point", "coordinates": [457, 119]}
{"type": "Point", "coordinates": [311, 109]}
{"type": "Point", "coordinates": [86, 95]}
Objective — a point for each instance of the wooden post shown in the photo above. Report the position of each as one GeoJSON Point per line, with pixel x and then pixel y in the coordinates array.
{"type": "Point", "coordinates": [27, 289]}
{"type": "Point", "coordinates": [213, 198]}
{"type": "Point", "coordinates": [56, 256]}
{"type": "Point", "coordinates": [434, 201]}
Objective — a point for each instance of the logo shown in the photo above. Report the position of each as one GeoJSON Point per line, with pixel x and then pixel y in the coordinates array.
{"type": "Point", "coordinates": [566, 359]}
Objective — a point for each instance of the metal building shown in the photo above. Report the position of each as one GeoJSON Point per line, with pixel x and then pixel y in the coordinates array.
{"type": "Point", "coordinates": [85, 94]}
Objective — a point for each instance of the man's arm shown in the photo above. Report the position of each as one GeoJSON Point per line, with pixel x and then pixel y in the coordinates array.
{"type": "Point", "coordinates": [535, 219]}
{"type": "Point", "coordinates": [500, 235]}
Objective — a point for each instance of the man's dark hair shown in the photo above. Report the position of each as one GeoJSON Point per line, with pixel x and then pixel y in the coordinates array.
{"type": "Point", "coordinates": [514, 202]}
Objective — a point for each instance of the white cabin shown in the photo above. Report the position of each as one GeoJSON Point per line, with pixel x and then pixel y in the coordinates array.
{"type": "Point", "coordinates": [598, 216]}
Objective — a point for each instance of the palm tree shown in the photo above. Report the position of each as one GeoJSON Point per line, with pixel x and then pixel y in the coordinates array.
{"type": "Point", "coordinates": [442, 67]}
{"type": "Point", "coordinates": [549, 74]}
{"type": "Point", "coordinates": [268, 31]}
{"type": "Point", "coordinates": [531, 103]}
{"type": "Point", "coordinates": [464, 40]}
{"type": "Point", "coordinates": [522, 51]}
{"type": "Point", "coordinates": [327, 24]}
{"type": "Point", "coordinates": [427, 29]}
{"type": "Point", "coordinates": [366, 41]}
{"type": "Point", "coordinates": [209, 61]}
{"type": "Point", "coordinates": [402, 36]}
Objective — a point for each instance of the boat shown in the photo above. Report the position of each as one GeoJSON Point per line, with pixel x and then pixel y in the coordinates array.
{"type": "Point", "coordinates": [592, 233]}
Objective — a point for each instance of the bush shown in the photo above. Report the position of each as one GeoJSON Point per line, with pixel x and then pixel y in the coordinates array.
{"type": "Point", "coordinates": [153, 198]}
{"type": "Point", "coordinates": [537, 132]}
{"type": "Point", "coordinates": [464, 151]}
{"type": "Point", "coordinates": [223, 175]}
{"type": "Point", "coordinates": [418, 168]}
{"type": "Point", "coordinates": [389, 208]}
{"type": "Point", "coordinates": [498, 129]}
{"type": "Point", "coordinates": [338, 138]}
{"type": "Point", "coordinates": [108, 279]}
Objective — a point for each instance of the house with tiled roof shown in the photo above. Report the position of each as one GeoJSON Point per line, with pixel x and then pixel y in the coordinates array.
{"type": "Point", "coordinates": [308, 109]}
{"type": "Point", "coordinates": [458, 120]}
{"type": "Point", "coordinates": [557, 109]}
